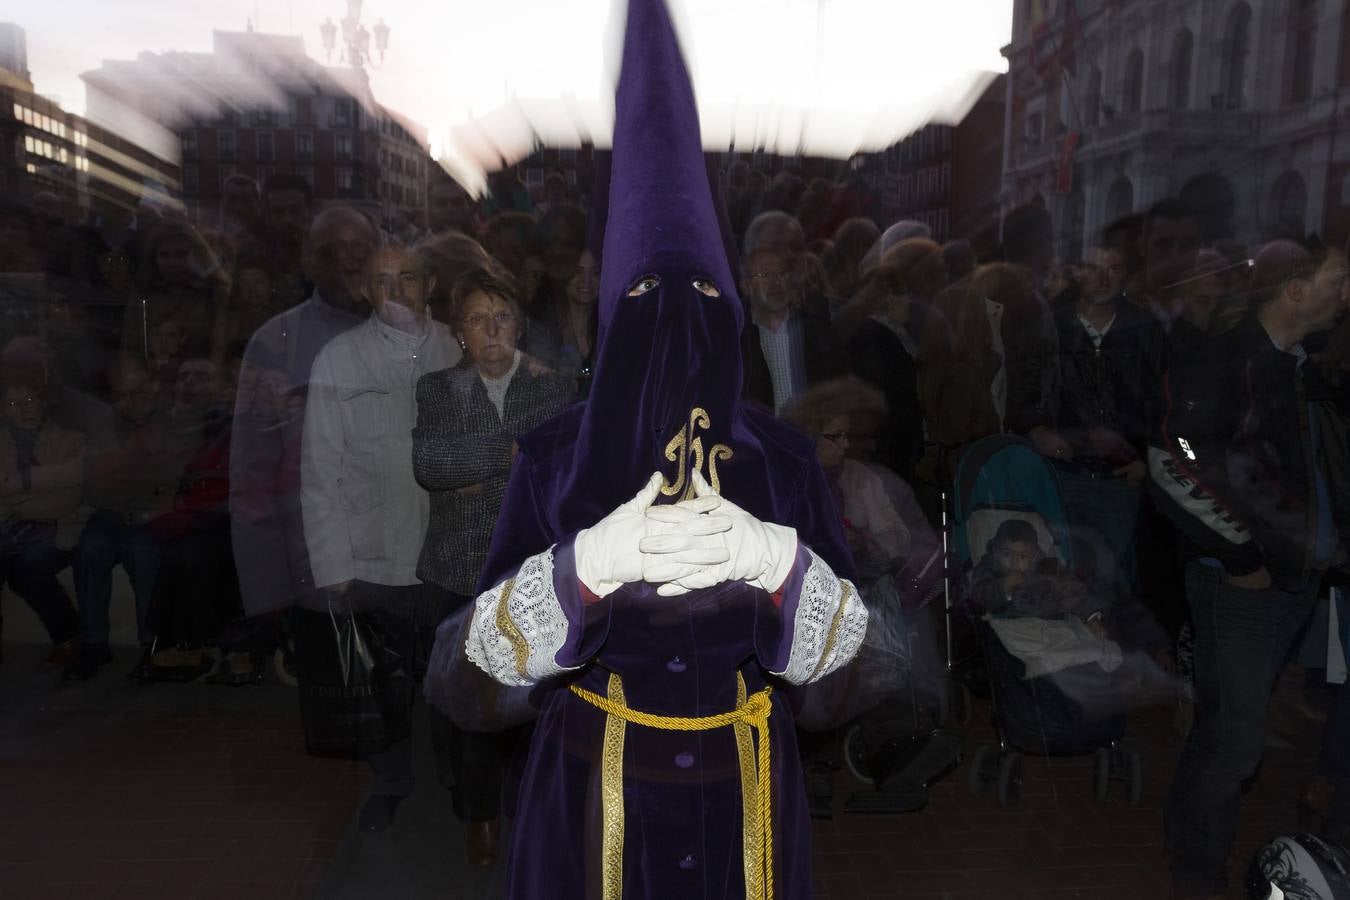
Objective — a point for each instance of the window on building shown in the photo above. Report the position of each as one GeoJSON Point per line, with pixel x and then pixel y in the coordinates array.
{"type": "Point", "coordinates": [28, 144]}
{"type": "Point", "coordinates": [567, 157]}
{"type": "Point", "coordinates": [1132, 85]}
{"type": "Point", "coordinates": [65, 156]}
{"type": "Point", "coordinates": [1301, 50]}
{"type": "Point", "coordinates": [534, 177]}
{"type": "Point", "coordinates": [225, 144]}
{"type": "Point", "coordinates": [27, 116]}
{"type": "Point", "coordinates": [1179, 76]}
{"type": "Point", "coordinates": [946, 177]}
{"type": "Point", "coordinates": [18, 111]}
{"type": "Point", "coordinates": [1092, 99]}
{"type": "Point", "coordinates": [190, 183]}
{"type": "Point", "coordinates": [343, 178]}
{"type": "Point", "coordinates": [304, 145]}
{"type": "Point", "coordinates": [1236, 49]}
{"type": "Point", "coordinates": [1035, 127]}
{"type": "Point", "coordinates": [344, 146]}
{"type": "Point", "coordinates": [342, 113]}
{"type": "Point", "coordinates": [266, 146]}
{"type": "Point", "coordinates": [302, 111]}
{"type": "Point", "coordinates": [189, 142]}
{"type": "Point", "coordinates": [944, 223]}
{"type": "Point", "coordinates": [225, 173]}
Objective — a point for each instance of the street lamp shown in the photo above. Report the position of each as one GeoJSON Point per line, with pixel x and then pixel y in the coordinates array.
{"type": "Point", "coordinates": [381, 38]}
{"type": "Point", "coordinates": [356, 51]}
{"type": "Point", "coordinates": [329, 33]}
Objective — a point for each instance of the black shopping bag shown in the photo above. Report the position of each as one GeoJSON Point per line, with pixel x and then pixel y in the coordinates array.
{"type": "Point", "coordinates": [355, 693]}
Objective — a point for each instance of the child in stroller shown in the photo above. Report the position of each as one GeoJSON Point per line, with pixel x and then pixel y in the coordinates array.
{"type": "Point", "coordinates": [1060, 679]}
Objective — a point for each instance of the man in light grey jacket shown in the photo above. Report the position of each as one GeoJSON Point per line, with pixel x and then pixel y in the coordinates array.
{"type": "Point", "coordinates": [364, 512]}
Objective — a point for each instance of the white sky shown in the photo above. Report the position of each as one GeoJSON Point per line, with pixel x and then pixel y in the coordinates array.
{"type": "Point", "coordinates": [457, 59]}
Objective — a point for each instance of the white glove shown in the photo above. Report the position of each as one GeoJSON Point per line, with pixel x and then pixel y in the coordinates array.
{"type": "Point", "coordinates": [759, 553]}
{"type": "Point", "coordinates": [608, 555]}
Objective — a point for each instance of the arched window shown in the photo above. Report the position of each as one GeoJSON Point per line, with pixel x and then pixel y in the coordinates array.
{"type": "Point", "coordinates": [1237, 45]}
{"type": "Point", "coordinates": [1289, 206]}
{"type": "Point", "coordinates": [1119, 199]}
{"type": "Point", "coordinates": [1132, 87]}
{"type": "Point", "coordinates": [1301, 50]}
{"type": "Point", "coordinates": [1179, 76]}
{"type": "Point", "coordinates": [1092, 112]}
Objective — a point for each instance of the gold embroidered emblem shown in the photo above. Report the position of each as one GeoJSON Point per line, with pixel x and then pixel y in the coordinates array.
{"type": "Point", "coordinates": [686, 447]}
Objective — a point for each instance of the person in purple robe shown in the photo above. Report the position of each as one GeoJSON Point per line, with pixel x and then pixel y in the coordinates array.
{"type": "Point", "coordinates": [668, 564]}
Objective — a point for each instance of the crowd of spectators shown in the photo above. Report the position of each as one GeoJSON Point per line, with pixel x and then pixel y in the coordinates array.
{"type": "Point", "coordinates": [261, 409]}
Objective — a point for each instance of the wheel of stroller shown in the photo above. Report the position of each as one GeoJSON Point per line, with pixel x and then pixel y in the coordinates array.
{"type": "Point", "coordinates": [1136, 775]}
{"type": "Point", "coordinates": [981, 773]}
{"type": "Point", "coordinates": [1101, 773]}
{"type": "Point", "coordinates": [1010, 778]}
{"type": "Point", "coordinates": [856, 754]}
{"type": "Point", "coordinates": [284, 666]}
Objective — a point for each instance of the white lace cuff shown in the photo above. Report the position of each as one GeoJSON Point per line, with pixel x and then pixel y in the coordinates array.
{"type": "Point", "coordinates": [519, 626]}
{"type": "Point", "coordinates": [828, 626]}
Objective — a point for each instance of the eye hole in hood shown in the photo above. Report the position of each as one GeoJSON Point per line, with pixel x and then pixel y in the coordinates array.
{"type": "Point", "coordinates": [643, 285]}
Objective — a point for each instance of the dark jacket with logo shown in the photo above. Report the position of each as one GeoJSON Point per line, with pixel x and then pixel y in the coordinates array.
{"type": "Point", "coordinates": [1234, 465]}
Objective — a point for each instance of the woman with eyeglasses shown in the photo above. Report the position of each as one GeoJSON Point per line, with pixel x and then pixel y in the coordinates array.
{"type": "Point", "coordinates": [468, 419]}
{"type": "Point", "coordinates": [894, 549]}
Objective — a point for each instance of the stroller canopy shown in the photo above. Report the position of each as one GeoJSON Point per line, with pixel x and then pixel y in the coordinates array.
{"type": "Point", "coordinates": [1006, 474]}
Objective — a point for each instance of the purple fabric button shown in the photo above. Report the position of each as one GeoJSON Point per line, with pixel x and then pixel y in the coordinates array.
{"type": "Point", "coordinates": [684, 760]}
{"type": "Point", "coordinates": [676, 665]}
{"type": "Point", "coordinates": [688, 862]}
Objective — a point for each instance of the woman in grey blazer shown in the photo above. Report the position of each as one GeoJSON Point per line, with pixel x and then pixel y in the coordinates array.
{"type": "Point", "coordinates": [468, 418]}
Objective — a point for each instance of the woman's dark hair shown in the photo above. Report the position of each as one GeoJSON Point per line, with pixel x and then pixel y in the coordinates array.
{"type": "Point", "coordinates": [510, 238]}
{"type": "Point", "coordinates": [147, 271]}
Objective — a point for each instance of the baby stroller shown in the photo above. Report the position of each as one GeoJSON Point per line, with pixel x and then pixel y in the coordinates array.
{"type": "Point", "coordinates": [998, 479]}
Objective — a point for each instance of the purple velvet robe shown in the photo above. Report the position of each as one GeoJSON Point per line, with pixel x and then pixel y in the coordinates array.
{"type": "Point", "coordinates": [677, 656]}
{"type": "Point", "coordinates": [668, 375]}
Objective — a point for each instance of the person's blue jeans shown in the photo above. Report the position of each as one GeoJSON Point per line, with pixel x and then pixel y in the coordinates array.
{"type": "Point", "coordinates": [107, 541]}
{"type": "Point", "coordinates": [1241, 640]}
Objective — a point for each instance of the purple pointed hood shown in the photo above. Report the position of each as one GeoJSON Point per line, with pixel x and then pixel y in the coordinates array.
{"type": "Point", "coordinates": [667, 383]}
{"type": "Point", "coordinates": [666, 390]}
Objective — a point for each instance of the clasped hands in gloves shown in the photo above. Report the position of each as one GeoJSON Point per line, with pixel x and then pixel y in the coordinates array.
{"type": "Point", "coordinates": [694, 544]}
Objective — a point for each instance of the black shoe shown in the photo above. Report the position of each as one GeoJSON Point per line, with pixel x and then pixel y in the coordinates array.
{"type": "Point", "coordinates": [141, 673]}
{"type": "Point", "coordinates": [378, 812]}
{"type": "Point", "coordinates": [907, 765]}
{"type": "Point", "coordinates": [86, 665]}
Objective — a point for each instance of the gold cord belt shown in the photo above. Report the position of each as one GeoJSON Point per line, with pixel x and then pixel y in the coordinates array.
{"type": "Point", "coordinates": [757, 818]}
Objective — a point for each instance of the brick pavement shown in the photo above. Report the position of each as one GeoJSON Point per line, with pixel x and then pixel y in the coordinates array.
{"type": "Point", "coordinates": [183, 791]}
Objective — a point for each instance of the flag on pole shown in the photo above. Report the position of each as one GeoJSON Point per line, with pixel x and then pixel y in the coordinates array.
{"type": "Point", "coordinates": [1054, 46]}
